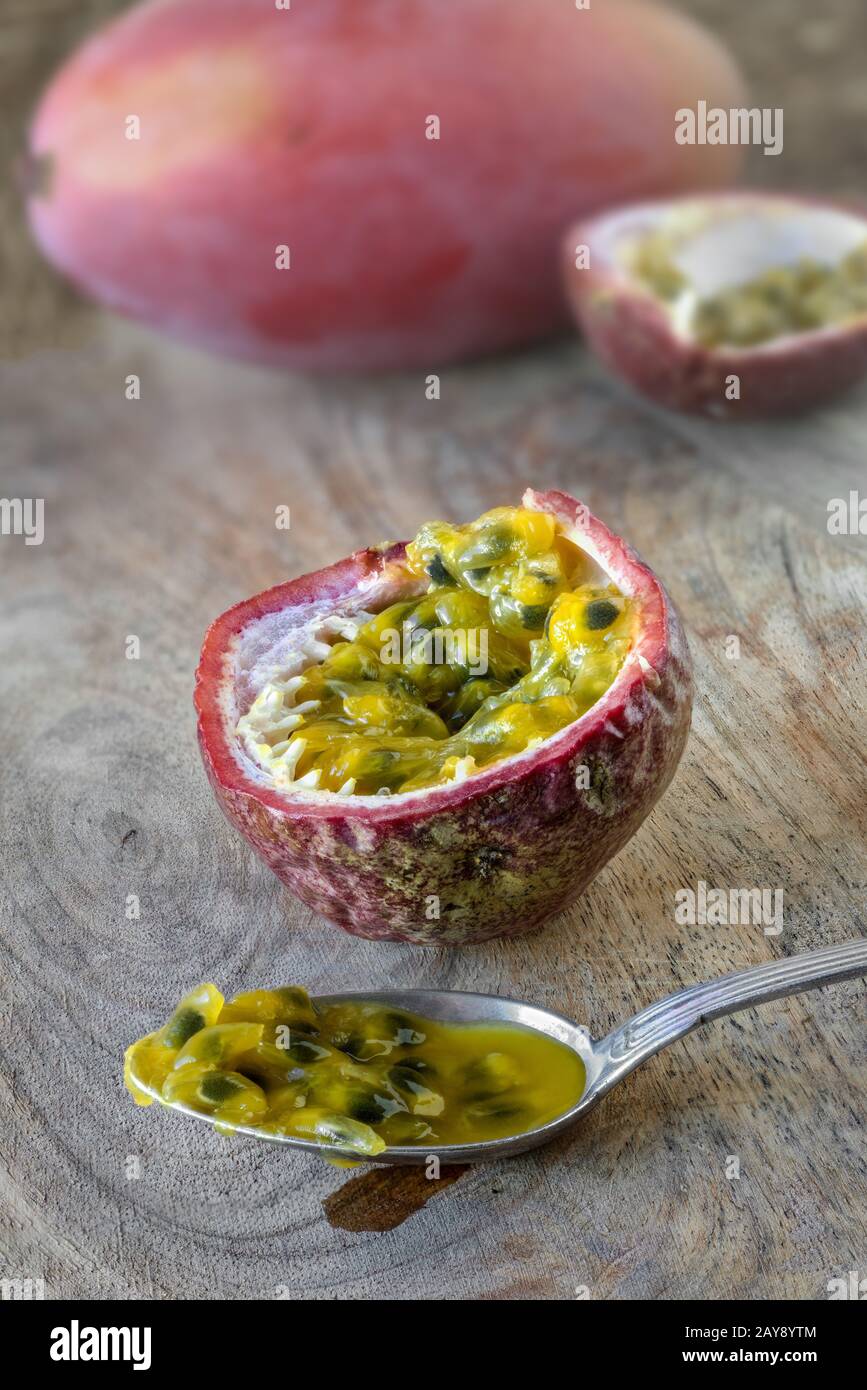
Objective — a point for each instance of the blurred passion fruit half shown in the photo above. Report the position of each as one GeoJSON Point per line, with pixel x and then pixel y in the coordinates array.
{"type": "Point", "coordinates": [443, 742]}
{"type": "Point", "coordinates": [734, 305]}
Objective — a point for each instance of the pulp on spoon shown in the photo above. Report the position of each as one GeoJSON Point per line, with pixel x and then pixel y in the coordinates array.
{"type": "Point", "coordinates": [356, 1076]}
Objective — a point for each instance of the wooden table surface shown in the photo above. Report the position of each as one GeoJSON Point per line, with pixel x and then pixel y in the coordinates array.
{"type": "Point", "coordinates": [158, 514]}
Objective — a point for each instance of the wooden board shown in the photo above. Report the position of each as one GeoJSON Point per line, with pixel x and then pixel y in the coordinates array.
{"type": "Point", "coordinates": [158, 514]}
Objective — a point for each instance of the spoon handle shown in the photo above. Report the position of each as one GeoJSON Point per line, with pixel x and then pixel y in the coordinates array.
{"type": "Point", "coordinates": [672, 1018]}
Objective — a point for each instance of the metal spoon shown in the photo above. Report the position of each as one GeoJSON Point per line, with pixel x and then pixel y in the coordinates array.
{"type": "Point", "coordinates": [607, 1060]}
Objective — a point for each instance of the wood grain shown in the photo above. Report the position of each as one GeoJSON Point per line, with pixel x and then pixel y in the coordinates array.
{"type": "Point", "coordinates": [159, 513]}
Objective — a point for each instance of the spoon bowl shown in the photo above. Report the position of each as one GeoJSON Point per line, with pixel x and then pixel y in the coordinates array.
{"type": "Point", "coordinates": [606, 1060]}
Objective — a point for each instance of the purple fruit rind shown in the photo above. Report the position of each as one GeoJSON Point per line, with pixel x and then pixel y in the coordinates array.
{"type": "Point", "coordinates": [506, 849]}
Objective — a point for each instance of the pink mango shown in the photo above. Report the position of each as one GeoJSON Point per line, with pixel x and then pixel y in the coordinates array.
{"type": "Point", "coordinates": [181, 147]}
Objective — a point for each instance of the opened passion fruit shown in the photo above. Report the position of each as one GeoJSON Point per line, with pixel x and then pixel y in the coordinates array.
{"type": "Point", "coordinates": [733, 305]}
{"type": "Point", "coordinates": [443, 742]}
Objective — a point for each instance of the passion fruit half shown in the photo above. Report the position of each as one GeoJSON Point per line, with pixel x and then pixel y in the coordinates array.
{"type": "Point", "coordinates": [734, 305]}
{"type": "Point", "coordinates": [445, 741]}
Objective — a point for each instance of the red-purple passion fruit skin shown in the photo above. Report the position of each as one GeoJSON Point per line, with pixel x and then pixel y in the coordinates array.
{"type": "Point", "coordinates": [631, 333]}
{"type": "Point", "coordinates": [505, 849]}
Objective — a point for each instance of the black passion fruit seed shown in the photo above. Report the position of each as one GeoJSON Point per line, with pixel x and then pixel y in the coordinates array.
{"type": "Point", "coordinates": [486, 547]}
{"type": "Point", "coordinates": [368, 1107]}
{"type": "Point", "coordinates": [437, 572]}
{"type": "Point", "coordinates": [304, 1052]}
{"type": "Point", "coordinates": [601, 613]}
{"type": "Point", "coordinates": [399, 1030]}
{"type": "Point", "coordinates": [408, 1077]}
{"type": "Point", "coordinates": [533, 616]}
{"type": "Point", "coordinates": [218, 1088]}
{"type": "Point", "coordinates": [182, 1026]}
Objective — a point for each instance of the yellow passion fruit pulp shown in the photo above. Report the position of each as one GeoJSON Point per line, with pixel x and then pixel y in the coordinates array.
{"type": "Point", "coordinates": [511, 642]}
{"type": "Point", "coordinates": [785, 299]}
{"type": "Point", "coordinates": [357, 1077]}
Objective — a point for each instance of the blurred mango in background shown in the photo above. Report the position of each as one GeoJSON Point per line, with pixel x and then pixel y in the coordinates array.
{"type": "Point", "coordinates": [338, 184]}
